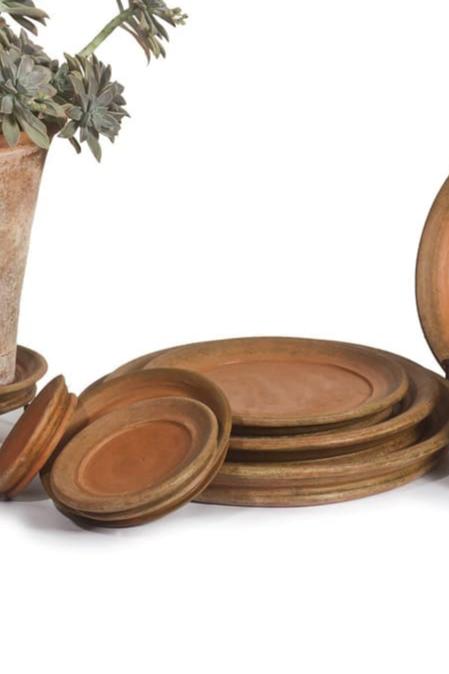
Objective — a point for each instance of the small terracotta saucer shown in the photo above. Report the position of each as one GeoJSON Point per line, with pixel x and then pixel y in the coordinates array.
{"type": "Point", "coordinates": [30, 368]}
{"type": "Point", "coordinates": [141, 516]}
{"type": "Point", "coordinates": [35, 436]}
{"type": "Point", "coordinates": [141, 457]}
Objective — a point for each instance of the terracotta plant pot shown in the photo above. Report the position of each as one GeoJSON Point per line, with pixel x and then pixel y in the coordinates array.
{"type": "Point", "coordinates": [20, 176]}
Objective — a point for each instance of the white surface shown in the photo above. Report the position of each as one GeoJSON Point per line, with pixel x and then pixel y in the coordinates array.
{"type": "Point", "coordinates": [274, 179]}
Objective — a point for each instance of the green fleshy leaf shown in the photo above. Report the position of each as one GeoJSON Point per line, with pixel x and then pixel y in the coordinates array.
{"type": "Point", "coordinates": [94, 146]}
{"type": "Point", "coordinates": [10, 130]}
{"type": "Point", "coordinates": [69, 130]}
{"type": "Point", "coordinates": [76, 145]}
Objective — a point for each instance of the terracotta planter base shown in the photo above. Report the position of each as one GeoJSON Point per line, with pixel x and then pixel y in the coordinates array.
{"type": "Point", "coordinates": [30, 368]}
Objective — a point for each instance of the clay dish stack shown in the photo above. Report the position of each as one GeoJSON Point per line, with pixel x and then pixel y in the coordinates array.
{"type": "Point", "coordinates": [265, 421]}
{"type": "Point", "coordinates": [138, 447]}
{"type": "Point", "coordinates": [297, 404]}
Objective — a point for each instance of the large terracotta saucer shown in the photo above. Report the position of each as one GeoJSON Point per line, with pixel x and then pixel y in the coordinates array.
{"type": "Point", "coordinates": [297, 497]}
{"type": "Point", "coordinates": [288, 382]}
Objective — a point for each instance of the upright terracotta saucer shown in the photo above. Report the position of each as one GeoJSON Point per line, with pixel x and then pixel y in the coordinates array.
{"type": "Point", "coordinates": [432, 278]}
{"type": "Point", "coordinates": [283, 382]}
{"type": "Point", "coordinates": [30, 368]}
{"type": "Point", "coordinates": [35, 436]}
{"type": "Point", "coordinates": [419, 403]}
{"type": "Point", "coordinates": [142, 458]}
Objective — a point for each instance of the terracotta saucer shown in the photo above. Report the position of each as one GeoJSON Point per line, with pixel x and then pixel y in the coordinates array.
{"type": "Point", "coordinates": [140, 457]}
{"type": "Point", "coordinates": [282, 431]}
{"type": "Point", "coordinates": [417, 406]}
{"type": "Point", "coordinates": [30, 368]}
{"type": "Point", "coordinates": [35, 436]}
{"type": "Point", "coordinates": [432, 280]}
{"type": "Point", "coordinates": [297, 497]}
{"type": "Point", "coordinates": [397, 441]}
{"type": "Point", "coordinates": [143, 515]}
{"type": "Point", "coordinates": [275, 381]}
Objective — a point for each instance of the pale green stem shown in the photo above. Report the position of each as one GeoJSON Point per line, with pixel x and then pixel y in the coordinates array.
{"type": "Point", "coordinates": [106, 32]}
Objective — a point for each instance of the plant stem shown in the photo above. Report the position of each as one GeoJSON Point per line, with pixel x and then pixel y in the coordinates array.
{"type": "Point", "coordinates": [106, 32]}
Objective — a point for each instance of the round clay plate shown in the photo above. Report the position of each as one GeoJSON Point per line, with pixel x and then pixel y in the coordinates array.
{"type": "Point", "coordinates": [140, 456]}
{"type": "Point", "coordinates": [432, 278]}
{"type": "Point", "coordinates": [294, 382]}
{"type": "Point", "coordinates": [35, 436]}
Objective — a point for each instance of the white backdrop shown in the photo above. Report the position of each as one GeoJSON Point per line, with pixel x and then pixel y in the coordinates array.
{"type": "Point", "coordinates": [274, 179]}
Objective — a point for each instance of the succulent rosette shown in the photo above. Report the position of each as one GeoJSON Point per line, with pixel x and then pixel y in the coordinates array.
{"type": "Point", "coordinates": [94, 103]}
{"type": "Point", "coordinates": [26, 98]}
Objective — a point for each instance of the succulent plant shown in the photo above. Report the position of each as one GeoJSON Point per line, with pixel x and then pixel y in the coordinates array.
{"type": "Point", "coordinates": [78, 97]}
{"type": "Point", "coordinates": [24, 12]}
{"type": "Point", "coordinates": [26, 98]}
{"type": "Point", "coordinates": [94, 104]}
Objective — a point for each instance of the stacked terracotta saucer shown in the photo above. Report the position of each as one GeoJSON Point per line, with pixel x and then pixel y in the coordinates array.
{"type": "Point", "coordinates": [138, 447]}
{"type": "Point", "coordinates": [314, 421]}
{"type": "Point", "coordinates": [265, 421]}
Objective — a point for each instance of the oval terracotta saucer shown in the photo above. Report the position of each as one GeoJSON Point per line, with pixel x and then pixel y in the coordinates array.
{"type": "Point", "coordinates": [280, 431]}
{"type": "Point", "coordinates": [35, 436]}
{"type": "Point", "coordinates": [139, 516]}
{"type": "Point", "coordinates": [142, 456]}
{"type": "Point", "coordinates": [276, 381]}
{"type": "Point", "coordinates": [419, 403]}
{"type": "Point", "coordinates": [432, 280]}
{"type": "Point", "coordinates": [397, 441]}
{"type": "Point", "coordinates": [30, 367]}
{"type": "Point", "coordinates": [294, 497]}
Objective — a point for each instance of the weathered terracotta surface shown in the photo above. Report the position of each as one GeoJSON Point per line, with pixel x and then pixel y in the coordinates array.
{"type": "Point", "coordinates": [35, 436]}
{"type": "Point", "coordinates": [20, 176]}
{"type": "Point", "coordinates": [137, 463]}
{"type": "Point", "coordinates": [287, 382]}
{"type": "Point", "coordinates": [432, 278]}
